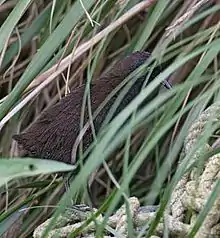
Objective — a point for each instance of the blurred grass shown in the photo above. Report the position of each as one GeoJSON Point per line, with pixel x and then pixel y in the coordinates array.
{"type": "Point", "coordinates": [34, 38]}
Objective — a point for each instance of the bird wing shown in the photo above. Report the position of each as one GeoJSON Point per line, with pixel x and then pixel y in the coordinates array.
{"type": "Point", "coordinates": [53, 134]}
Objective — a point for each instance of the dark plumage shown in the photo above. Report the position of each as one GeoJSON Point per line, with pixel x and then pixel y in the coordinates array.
{"type": "Point", "coordinates": [52, 136]}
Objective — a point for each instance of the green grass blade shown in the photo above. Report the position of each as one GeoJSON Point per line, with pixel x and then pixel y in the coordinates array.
{"type": "Point", "coordinates": [11, 21]}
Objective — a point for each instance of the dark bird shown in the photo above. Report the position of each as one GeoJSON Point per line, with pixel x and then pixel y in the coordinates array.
{"type": "Point", "coordinates": [54, 133]}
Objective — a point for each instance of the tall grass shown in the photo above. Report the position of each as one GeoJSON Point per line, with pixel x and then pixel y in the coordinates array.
{"type": "Point", "coordinates": [50, 47]}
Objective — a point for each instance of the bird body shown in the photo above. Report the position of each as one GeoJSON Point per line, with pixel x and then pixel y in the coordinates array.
{"type": "Point", "coordinates": [54, 133]}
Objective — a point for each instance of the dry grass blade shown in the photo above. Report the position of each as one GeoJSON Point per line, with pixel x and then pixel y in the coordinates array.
{"type": "Point", "coordinates": [136, 158]}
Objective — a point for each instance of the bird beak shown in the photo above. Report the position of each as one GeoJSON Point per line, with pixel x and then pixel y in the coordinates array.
{"type": "Point", "coordinates": [166, 84]}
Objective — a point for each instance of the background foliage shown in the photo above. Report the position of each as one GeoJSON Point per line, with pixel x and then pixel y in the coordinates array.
{"type": "Point", "coordinates": [49, 47]}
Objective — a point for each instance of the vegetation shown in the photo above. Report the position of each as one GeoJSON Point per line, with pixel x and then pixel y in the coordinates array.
{"type": "Point", "coordinates": [50, 47]}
